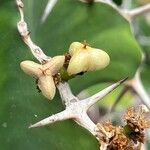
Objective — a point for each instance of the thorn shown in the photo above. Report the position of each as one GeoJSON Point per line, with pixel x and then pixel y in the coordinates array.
{"type": "Point", "coordinates": [34, 126]}
{"type": "Point", "coordinates": [63, 115]}
{"type": "Point", "coordinates": [123, 80]}
{"type": "Point", "coordinates": [93, 99]}
{"type": "Point", "coordinates": [40, 123]}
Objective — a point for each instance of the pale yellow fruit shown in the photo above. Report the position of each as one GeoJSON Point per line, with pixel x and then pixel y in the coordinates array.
{"type": "Point", "coordinates": [44, 73]}
{"type": "Point", "coordinates": [84, 58]}
{"type": "Point", "coordinates": [99, 59]}
{"type": "Point", "coordinates": [78, 63]}
{"type": "Point", "coordinates": [47, 86]}
{"type": "Point", "coordinates": [31, 68]}
{"type": "Point", "coordinates": [74, 47]}
{"type": "Point", "coordinates": [54, 65]}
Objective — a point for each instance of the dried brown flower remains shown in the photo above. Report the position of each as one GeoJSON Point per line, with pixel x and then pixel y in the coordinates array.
{"type": "Point", "coordinates": [136, 121]}
{"type": "Point", "coordinates": [128, 137]}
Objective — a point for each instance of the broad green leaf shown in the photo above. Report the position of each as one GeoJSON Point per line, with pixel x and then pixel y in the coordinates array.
{"type": "Point", "coordinates": [69, 21]}
{"type": "Point", "coordinates": [98, 23]}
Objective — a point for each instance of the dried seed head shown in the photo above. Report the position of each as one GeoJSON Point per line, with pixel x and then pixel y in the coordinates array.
{"type": "Point", "coordinates": [129, 137]}
{"type": "Point", "coordinates": [113, 137]}
{"type": "Point", "coordinates": [84, 58]}
{"type": "Point", "coordinates": [31, 68]}
{"type": "Point", "coordinates": [137, 121]}
{"type": "Point", "coordinates": [119, 141]}
{"type": "Point", "coordinates": [47, 86]}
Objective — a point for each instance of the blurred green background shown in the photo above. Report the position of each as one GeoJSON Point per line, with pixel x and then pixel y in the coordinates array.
{"type": "Point", "coordinates": [70, 20]}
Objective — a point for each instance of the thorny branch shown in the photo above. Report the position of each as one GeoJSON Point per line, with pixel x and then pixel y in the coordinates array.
{"type": "Point", "coordinates": [139, 11]}
{"type": "Point", "coordinates": [75, 109]}
{"type": "Point", "coordinates": [131, 14]}
{"type": "Point", "coordinates": [24, 32]}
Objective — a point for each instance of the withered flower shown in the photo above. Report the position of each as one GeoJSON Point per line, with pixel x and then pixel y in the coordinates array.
{"type": "Point", "coordinates": [136, 122]}
{"type": "Point", "coordinates": [128, 137]}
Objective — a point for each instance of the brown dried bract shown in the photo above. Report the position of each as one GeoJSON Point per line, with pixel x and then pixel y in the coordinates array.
{"type": "Point", "coordinates": [128, 137]}
{"type": "Point", "coordinates": [137, 121]}
{"type": "Point", "coordinates": [57, 78]}
{"type": "Point", "coordinates": [67, 60]}
{"type": "Point", "coordinates": [113, 137]}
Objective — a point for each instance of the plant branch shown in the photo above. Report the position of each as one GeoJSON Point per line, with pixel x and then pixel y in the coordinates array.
{"type": "Point", "coordinates": [66, 93]}
{"type": "Point", "coordinates": [75, 108]}
{"type": "Point", "coordinates": [140, 90]}
{"type": "Point", "coordinates": [139, 11]}
{"type": "Point", "coordinates": [23, 30]}
{"type": "Point", "coordinates": [136, 85]}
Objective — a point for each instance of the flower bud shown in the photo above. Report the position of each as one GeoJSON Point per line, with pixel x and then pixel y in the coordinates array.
{"type": "Point", "coordinates": [85, 58]}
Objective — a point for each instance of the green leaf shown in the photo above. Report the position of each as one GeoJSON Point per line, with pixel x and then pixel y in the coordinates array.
{"type": "Point", "coordinates": [69, 21]}
{"type": "Point", "coordinates": [98, 23]}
